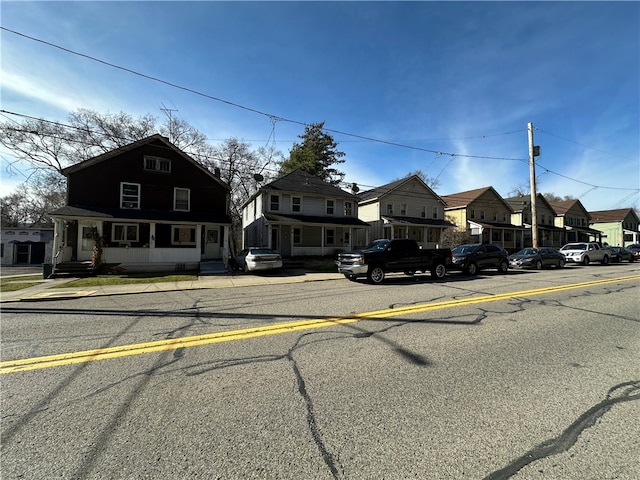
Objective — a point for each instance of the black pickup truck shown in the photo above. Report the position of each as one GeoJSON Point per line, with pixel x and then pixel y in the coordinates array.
{"type": "Point", "coordinates": [398, 255]}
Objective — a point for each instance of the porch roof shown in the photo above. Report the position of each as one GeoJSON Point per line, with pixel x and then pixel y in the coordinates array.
{"type": "Point", "coordinates": [591, 231]}
{"type": "Point", "coordinates": [416, 221]}
{"type": "Point", "coordinates": [508, 226]}
{"type": "Point", "coordinates": [111, 214]}
{"type": "Point", "coordinates": [316, 220]}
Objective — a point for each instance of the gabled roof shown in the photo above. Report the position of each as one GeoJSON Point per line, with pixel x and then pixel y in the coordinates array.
{"type": "Point", "coordinates": [519, 203]}
{"type": "Point", "coordinates": [562, 207]}
{"type": "Point", "coordinates": [299, 181]}
{"type": "Point", "coordinates": [379, 192]}
{"type": "Point", "coordinates": [619, 215]}
{"type": "Point", "coordinates": [157, 138]}
{"type": "Point", "coordinates": [464, 199]}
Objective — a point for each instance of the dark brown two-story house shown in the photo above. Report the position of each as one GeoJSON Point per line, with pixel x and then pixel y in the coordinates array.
{"type": "Point", "coordinates": [153, 207]}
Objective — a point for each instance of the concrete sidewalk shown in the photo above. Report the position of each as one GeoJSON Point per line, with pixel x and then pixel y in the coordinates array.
{"type": "Point", "coordinates": [48, 289]}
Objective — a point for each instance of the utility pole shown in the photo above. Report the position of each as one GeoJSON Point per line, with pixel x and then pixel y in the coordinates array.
{"type": "Point", "coordinates": [533, 152]}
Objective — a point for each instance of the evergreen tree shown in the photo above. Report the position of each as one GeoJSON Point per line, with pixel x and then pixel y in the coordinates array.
{"type": "Point", "coordinates": [316, 155]}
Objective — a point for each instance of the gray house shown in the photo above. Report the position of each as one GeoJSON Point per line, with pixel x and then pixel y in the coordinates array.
{"type": "Point", "coordinates": [301, 215]}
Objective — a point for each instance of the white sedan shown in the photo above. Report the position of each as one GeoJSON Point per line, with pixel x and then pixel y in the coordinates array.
{"type": "Point", "coordinates": [257, 258]}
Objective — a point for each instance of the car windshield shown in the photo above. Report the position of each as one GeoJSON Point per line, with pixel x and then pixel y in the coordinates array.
{"type": "Point", "coordinates": [528, 251]}
{"type": "Point", "coordinates": [464, 249]}
{"type": "Point", "coordinates": [378, 245]}
{"type": "Point", "coordinates": [575, 246]}
{"type": "Point", "coordinates": [261, 251]}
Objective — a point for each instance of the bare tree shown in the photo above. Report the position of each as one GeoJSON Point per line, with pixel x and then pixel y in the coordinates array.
{"type": "Point", "coordinates": [43, 149]}
{"type": "Point", "coordinates": [243, 169]}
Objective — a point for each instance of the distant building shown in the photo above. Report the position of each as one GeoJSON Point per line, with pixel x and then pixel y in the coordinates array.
{"type": "Point", "coordinates": [26, 246]}
{"type": "Point", "coordinates": [619, 227]}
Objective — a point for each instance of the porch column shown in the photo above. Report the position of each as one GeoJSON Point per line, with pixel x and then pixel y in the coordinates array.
{"type": "Point", "coordinates": [322, 241]}
{"type": "Point", "coordinates": [152, 235]}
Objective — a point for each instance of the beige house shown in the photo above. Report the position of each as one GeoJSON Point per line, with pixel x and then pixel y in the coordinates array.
{"type": "Point", "coordinates": [405, 208]}
{"type": "Point", "coordinates": [486, 216]}
{"type": "Point", "coordinates": [548, 234]}
{"type": "Point", "coordinates": [574, 218]}
{"type": "Point", "coordinates": [619, 227]}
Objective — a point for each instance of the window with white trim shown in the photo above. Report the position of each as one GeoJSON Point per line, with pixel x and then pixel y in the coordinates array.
{"type": "Point", "coordinates": [182, 199]}
{"type": "Point", "coordinates": [124, 232]}
{"type": "Point", "coordinates": [274, 202]}
{"type": "Point", "coordinates": [183, 235]}
{"type": "Point", "coordinates": [423, 212]}
{"type": "Point", "coordinates": [434, 214]}
{"type": "Point", "coordinates": [296, 204]}
{"type": "Point", "coordinates": [389, 209]}
{"type": "Point", "coordinates": [129, 195]}
{"type": "Point", "coordinates": [297, 236]}
{"type": "Point", "coordinates": [157, 164]}
{"type": "Point", "coordinates": [348, 209]}
{"type": "Point", "coordinates": [330, 207]}
{"type": "Point", "coordinates": [403, 209]}
{"type": "Point", "coordinates": [481, 214]}
{"type": "Point", "coordinates": [330, 236]}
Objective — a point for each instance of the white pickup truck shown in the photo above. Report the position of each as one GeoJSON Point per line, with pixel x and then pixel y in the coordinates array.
{"type": "Point", "coordinates": [585, 253]}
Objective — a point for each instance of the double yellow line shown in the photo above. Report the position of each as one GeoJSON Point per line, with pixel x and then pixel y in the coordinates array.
{"type": "Point", "coordinates": [13, 366]}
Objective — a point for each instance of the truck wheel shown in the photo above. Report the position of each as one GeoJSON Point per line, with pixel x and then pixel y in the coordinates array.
{"type": "Point", "coordinates": [605, 260]}
{"type": "Point", "coordinates": [375, 275]}
{"type": "Point", "coordinates": [439, 272]}
{"type": "Point", "coordinates": [585, 260]}
{"type": "Point", "coordinates": [471, 269]}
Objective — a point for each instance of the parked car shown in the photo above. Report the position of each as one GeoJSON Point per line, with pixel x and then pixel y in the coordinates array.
{"type": "Point", "coordinates": [635, 249]}
{"type": "Point", "coordinates": [621, 254]}
{"type": "Point", "coordinates": [398, 255]}
{"type": "Point", "coordinates": [257, 258]}
{"type": "Point", "coordinates": [585, 252]}
{"type": "Point", "coordinates": [537, 258]}
{"type": "Point", "coordinates": [470, 258]}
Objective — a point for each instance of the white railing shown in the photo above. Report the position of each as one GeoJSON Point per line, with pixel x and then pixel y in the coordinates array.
{"type": "Point", "coordinates": [149, 255]}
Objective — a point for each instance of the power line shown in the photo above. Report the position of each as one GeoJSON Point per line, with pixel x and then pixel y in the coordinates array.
{"type": "Point", "coordinates": [253, 110]}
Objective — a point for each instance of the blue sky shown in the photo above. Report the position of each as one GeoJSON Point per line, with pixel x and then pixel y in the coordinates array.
{"type": "Point", "coordinates": [444, 78]}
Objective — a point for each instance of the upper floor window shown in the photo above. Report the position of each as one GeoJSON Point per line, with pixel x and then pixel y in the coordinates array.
{"type": "Point", "coordinates": [348, 209]}
{"type": "Point", "coordinates": [157, 164]}
{"type": "Point", "coordinates": [435, 212]}
{"type": "Point", "coordinates": [182, 199]}
{"type": "Point", "coordinates": [274, 202]}
{"type": "Point", "coordinates": [403, 209]}
{"type": "Point", "coordinates": [481, 214]}
{"type": "Point", "coordinates": [473, 213]}
{"type": "Point", "coordinates": [296, 204]}
{"type": "Point", "coordinates": [389, 208]}
{"type": "Point", "coordinates": [423, 212]}
{"type": "Point", "coordinates": [129, 195]}
{"type": "Point", "coordinates": [495, 216]}
{"type": "Point", "coordinates": [330, 207]}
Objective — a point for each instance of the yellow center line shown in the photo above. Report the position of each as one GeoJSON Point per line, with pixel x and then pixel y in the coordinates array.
{"type": "Point", "coordinates": [12, 366]}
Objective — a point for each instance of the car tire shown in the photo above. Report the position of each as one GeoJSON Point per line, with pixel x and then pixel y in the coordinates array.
{"type": "Point", "coordinates": [538, 265]}
{"type": "Point", "coordinates": [605, 260]}
{"type": "Point", "coordinates": [631, 260]}
{"type": "Point", "coordinates": [375, 275]}
{"type": "Point", "coordinates": [471, 269]}
{"type": "Point", "coordinates": [560, 263]}
{"type": "Point", "coordinates": [504, 266]}
{"type": "Point", "coordinates": [245, 268]}
{"type": "Point", "coordinates": [585, 260]}
{"type": "Point", "coordinates": [439, 272]}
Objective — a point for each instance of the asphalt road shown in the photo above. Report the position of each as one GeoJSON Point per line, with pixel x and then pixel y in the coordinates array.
{"type": "Point", "coordinates": [529, 375]}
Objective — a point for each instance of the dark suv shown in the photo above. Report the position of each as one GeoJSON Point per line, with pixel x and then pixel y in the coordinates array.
{"type": "Point", "coordinates": [478, 256]}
